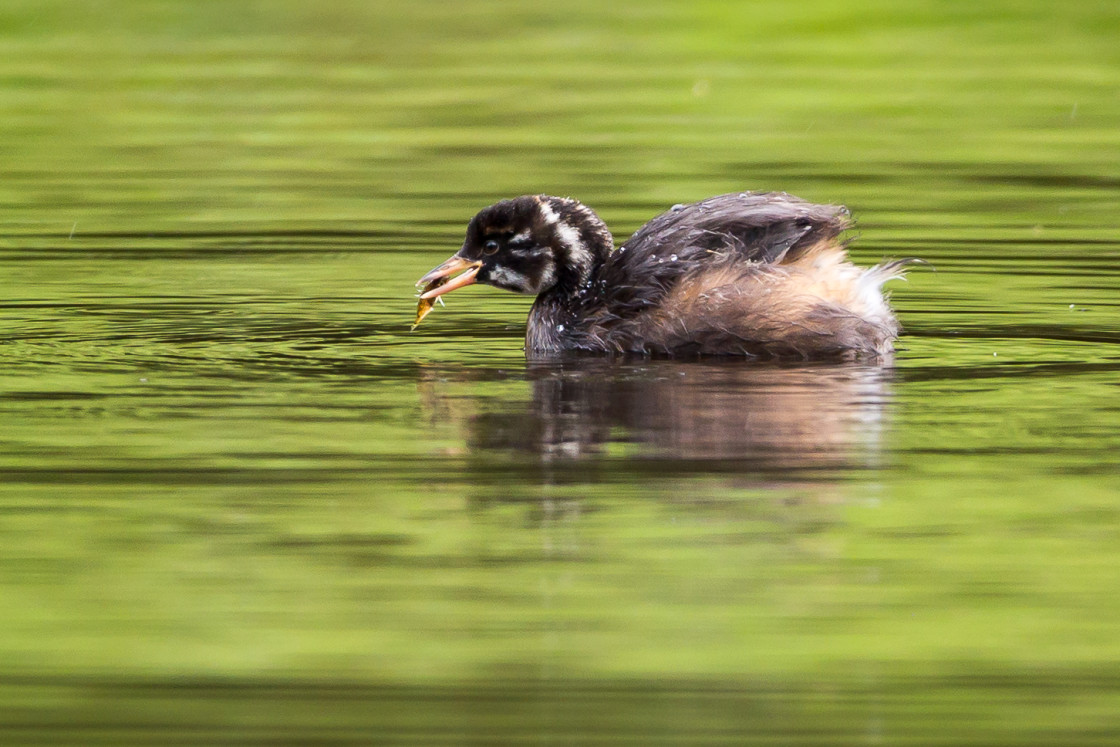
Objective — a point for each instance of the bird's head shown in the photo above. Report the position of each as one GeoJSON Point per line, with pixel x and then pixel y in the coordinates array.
{"type": "Point", "coordinates": [532, 244]}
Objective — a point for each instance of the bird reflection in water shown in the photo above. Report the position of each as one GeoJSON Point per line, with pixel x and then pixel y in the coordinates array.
{"type": "Point", "coordinates": [664, 415]}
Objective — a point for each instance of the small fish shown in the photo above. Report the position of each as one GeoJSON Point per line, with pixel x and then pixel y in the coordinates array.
{"type": "Point", "coordinates": [424, 305]}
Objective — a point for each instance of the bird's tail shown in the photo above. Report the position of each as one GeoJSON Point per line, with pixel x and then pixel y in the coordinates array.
{"type": "Point", "coordinates": [896, 268]}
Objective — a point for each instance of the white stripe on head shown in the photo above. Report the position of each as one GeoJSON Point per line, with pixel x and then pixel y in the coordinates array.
{"type": "Point", "coordinates": [512, 279]}
{"type": "Point", "coordinates": [548, 276]}
{"type": "Point", "coordinates": [549, 215]}
{"type": "Point", "coordinates": [568, 235]}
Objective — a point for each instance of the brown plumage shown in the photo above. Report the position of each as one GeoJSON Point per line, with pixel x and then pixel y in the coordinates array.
{"type": "Point", "coordinates": [756, 274]}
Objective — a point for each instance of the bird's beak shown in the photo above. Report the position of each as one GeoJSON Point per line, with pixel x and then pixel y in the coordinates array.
{"type": "Point", "coordinates": [444, 272]}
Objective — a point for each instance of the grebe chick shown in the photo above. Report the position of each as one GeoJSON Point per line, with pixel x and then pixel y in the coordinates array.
{"type": "Point", "coordinates": [762, 275]}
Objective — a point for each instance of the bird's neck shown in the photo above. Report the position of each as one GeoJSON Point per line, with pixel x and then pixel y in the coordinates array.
{"type": "Point", "coordinates": [551, 323]}
{"type": "Point", "coordinates": [580, 240]}
{"type": "Point", "coordinates": [581, 244]}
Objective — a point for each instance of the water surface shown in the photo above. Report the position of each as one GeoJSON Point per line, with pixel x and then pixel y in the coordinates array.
{"type": "Point", "coordinates": [241, 503]}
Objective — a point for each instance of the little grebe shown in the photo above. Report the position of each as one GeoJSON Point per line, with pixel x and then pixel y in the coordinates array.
{"type": "Point", "coordinates": [755, 274]}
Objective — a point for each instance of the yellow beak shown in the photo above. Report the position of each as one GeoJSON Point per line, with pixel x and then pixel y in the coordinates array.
{"type": "Point", "coordinates": [453, 265]}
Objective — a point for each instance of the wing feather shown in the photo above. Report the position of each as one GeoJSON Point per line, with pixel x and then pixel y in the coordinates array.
{"type": "Point", "coordinates": [736, 228]}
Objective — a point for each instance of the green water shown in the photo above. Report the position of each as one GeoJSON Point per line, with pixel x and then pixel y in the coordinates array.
{"type": "Point", "coordinates": [240, 503]}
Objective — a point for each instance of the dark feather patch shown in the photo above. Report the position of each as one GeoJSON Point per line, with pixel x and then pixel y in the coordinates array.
{"type": "Point", "coordinates": [763, 227]}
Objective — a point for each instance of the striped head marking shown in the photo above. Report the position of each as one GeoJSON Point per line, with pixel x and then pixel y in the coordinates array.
{"type": "Point", "coordinates": [535, 244]}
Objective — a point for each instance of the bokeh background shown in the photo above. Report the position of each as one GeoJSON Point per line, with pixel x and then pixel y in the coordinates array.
{"type": "Point", "coordinates": [240, 503]}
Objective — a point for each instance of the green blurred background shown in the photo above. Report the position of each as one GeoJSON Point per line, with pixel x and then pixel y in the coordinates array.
{"type": "Point", "coordinates": [240, 503]}
{"type": "Point", "coordinates": [143, 114]}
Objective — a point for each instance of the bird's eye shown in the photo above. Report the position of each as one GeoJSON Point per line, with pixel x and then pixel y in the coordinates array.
{"type": "Point", "coordinates": [490, 247]}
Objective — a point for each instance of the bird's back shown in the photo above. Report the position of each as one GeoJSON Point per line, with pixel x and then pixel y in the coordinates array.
{"type": "Point", "coordinates": [761, 274]}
